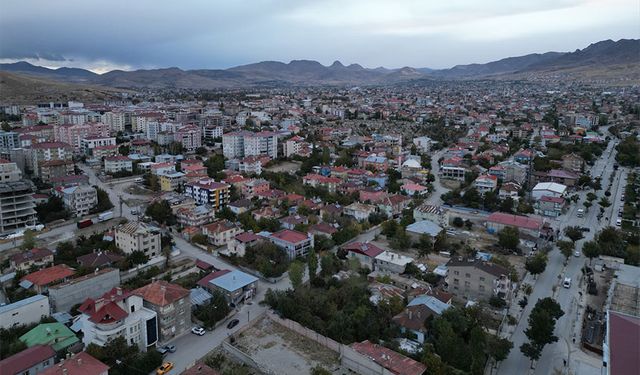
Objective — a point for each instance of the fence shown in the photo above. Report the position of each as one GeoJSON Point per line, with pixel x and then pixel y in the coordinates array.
{"type": "Point", "coordinates": [306, 332]}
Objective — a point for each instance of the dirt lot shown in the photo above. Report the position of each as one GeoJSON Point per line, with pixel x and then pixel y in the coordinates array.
{"type": "Point", "coordinates": [284, 351]}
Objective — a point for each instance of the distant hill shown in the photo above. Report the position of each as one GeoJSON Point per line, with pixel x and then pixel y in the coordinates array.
{"type": "Point", "coordinates": [18, 89]}
{"type": "Point", "coordinates": [603, 60]}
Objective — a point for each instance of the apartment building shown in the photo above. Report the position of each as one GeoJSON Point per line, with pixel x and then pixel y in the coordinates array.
{"type": "Point", "coordinates": [73, 134]}
{"type": "Point", "coordinates": [208, 191]}
{"type": "Point", "coordinates": [212, 132]}
{"type": "Point", "coordinates": [26, 311]}
{"type": "Point", "coordinates": [486, 183]}
{"type": "Point", "coordinates": [138, 236]}
{"type": "Point", "coordinates": [17, 208]}
{"type": "Point", "coordinates": [89, 143]}
{"type": "Point", "coordinates": [9, 141]}
{"type": "Point", "coordinates": [118, 163]}
{"type": "Point", "coordinates": [79, 199]}
{"type": "Point", "coordinates": [475, 279]}
{"type": "Point", "coordinates": [254, 187]}
{"type": "Point", "coordinates": [244, 143]}
{"type": "Point", "coordinates": [172, 305]}
{"type": "Point", "coordinates": [296, 244]}
{"type": "Point", "coordinates": [118, 313]}
{"type": "Point", "coordinates": [47, 151]}
{"type": "Point", "coordinates": [171, 181]}
{"type": "Point", "coordinates": [116, 120]}
{"type": "Point", "coordinates": [9, 171]}
{"type": "Point", "coordinates": [189, 136]}
{"type": "Point", "coordinates": [220, 232]}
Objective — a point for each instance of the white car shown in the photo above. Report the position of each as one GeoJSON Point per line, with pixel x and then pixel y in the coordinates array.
{"type": "Point", "coordinates": [198, 331]}
{"type": "Point", "coordinates": [618, 222]}
{"type": "Point", "coordinates": [576, 253]}
{"type": "Point", "coordinates": [567, 282]}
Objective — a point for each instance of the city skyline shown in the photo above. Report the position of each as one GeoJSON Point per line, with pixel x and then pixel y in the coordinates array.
{"type": "Point", "coordinates": [210, 35]}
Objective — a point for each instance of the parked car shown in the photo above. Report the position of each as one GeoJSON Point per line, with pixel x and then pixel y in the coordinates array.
{"type": "Point", "coordinates": [165, 368]}
{"type": "Point", "coordinates": [233, 323]}
{"type": "Point", "coordinates": [567, 282]}
{"type": "Point", "coordinates": [618, 222]}
{"type": "Point", "coordinates": [576, 253]}
{"type": "Point", "coordinates": [585, 229]}
{"type": "Point", "coordinates": [198, 331]}
{"type": "Point", "coordinates": [167, 349]}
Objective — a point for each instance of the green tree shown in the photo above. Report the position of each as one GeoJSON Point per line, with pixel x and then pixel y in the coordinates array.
{"type": "Point", "coordinates": [591, 249]}
{"type": "Point", "coordinates": [424, 245]}
{"type": "Point", "coordinates": [161, 212]}
{"type": "Point", "coordinates": [542, 321]}
{"type": "Point", "coordinates": [212, 312]}
{"type": "Point", "coordinates": [566, 248]}
{"type": "Point", "coordinates": [574, 233]}
{"type": "Point", "coordinates": [536, 264]}
{"type": "Point", "coordinates": [604, 202]}
{"type": "Point", "coordinates": [296, 272]}
{"type": "Point", "coordinates": [509, 238]}
{"type": "Point", "coordinates": [28, 240]}
{"type": "Point", "coordinates": [215, 166]}
{"type": "Point", "coordinates": [104, 203]}
{"type": "Point", "coordinates": [312, 264]}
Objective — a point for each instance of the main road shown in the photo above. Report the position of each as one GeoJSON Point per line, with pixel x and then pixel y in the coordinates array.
{"type": "Point", "coordinates": [549, 284]}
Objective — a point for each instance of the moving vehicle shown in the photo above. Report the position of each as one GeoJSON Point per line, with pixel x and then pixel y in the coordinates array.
{"type": "Point", "coordinates": [166, 367]}
{"type": "Point", "coordinates": [576, 253]}
{"type": "Point", "coordinates": [36, 228]}
{"type": "Point", "coordinates": [85, 223]}
{"type": "Point", "coordinates": [233, 323]}
{"type": "Point", "coordinates": [198, 331]}
{"type": "Point", "coordinates": [618, 222]}
{"type": "Point", "coordinates": [567, 282]}
{"type": "Point", "coordinates": [105, 216]}
{"type": "Point", "coordinates": [139, 180]}
{"type": "Point", "coordinates": [580, 212]}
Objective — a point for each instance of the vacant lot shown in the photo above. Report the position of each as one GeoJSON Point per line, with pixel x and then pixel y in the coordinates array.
{"type": "Point", "coordinates": [285, 166]}
{"type": "Point", "coordinates": [285, 352]}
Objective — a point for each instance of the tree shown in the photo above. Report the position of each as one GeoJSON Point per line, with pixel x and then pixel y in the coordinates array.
{"type": "Point", "coordinates": [458, 222]}
{"type": "Point", "coordinates": [296, 272]}
{"type": "Point", "coordinates": [212, 312]}
{"type": "Point", "coordinates": [566, 248]}
{"type": "Point", "coordinates": [135, 258]}
{"type": "Point", "coordinates": [52, 210]}
{"type": "Point", "coordinates": [542, 322]}
{"type": "Point", "coordinates": [161, 212]}
{"type": "Point", "coordinates": [587, 205]}
{"type": "Point", "coordinates": [507, 205]}
{"type": "Point", "coordinates": [536, 264]}
{"type": "Point", "coordinates": [509, 238]}
{"type": "Point", "coordinates": [424, 245]}
{"type": "Point", "coordinates": [104, 203]}
{"type": "Point", "coordinates": [604, 202]}
{"type": "Point", "coordinates": [574, 233]}
{"type": "Point", "coordinates": [28, 240]}
{"type": "Point", "coordinates": [591, 249]}
{"type": "Point", "coordinates": [312, 264]}
{"type": "Point", "coordinates": [498, 348]}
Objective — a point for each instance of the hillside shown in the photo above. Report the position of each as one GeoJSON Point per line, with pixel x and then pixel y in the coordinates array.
{"type": "Point", "coordinates": [18, 89]}
{"type": "Point", "coordinates": [606, 60]}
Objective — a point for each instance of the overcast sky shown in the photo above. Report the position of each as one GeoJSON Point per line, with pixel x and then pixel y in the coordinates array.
{"type": "Point", "coordinates": [133, 34]}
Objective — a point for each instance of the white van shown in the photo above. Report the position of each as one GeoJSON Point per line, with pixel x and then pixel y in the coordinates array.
{"type": "Point", "coordinates": [567, 282]}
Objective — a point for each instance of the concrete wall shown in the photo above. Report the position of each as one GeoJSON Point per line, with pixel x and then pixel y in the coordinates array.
{"type": "Point", "coordinates": [64, 296]}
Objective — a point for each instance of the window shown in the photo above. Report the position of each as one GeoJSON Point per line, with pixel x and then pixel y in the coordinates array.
{"type": "Point", "coordinates": [482, 279]}
{"type": "Point", "coordinates": [468, 275]}
{"type": "Point", "coordinates": [467, 284]}
{"type": "Point", "coordinates": [133, 308]}
{"type": "Point", "coordinates": [481, 288]}
{"type": "Point", "coordinates": [456, 281]}
{"type": "Point", "coordinates": [456, 272]}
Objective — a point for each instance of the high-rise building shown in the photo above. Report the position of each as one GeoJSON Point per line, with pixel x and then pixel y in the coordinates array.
{"type": "Point", "coordinates": [17, 208]}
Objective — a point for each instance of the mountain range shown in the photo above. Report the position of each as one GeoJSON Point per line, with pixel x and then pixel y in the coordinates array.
{"type": "Point", "coordinates": [607, 58]}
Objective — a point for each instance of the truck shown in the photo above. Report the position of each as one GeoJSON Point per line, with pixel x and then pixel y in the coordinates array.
{"type": "Point", "coordinates": [85, 223]}
{"type": "Point", "coordinates": [105, 216]}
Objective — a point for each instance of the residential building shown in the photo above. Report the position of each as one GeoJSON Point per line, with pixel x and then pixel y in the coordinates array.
{"type": "Point", "coordinates": [251, 165]}
{"type": "Point", "coordinates": [9, 171]}
{"type": "Point", "coordinates": [453, 168]}
{"type": "Point", "coordinates": [510, 190]}
{"type": "Point", "coordinates": [195, 216]}
{"type": "Point", "coordinates": [220, 232]}
{"type": "Point", "coordinates": [52, 169]}
{"type": "Point", "coordinates": [423, 144]}
{"type": "Point", "coordinates": [138, 236]}
{"type": "Point", "coordinates": [99, 259]}
{"type": "Point", "coordinates": [117, 120]}
{"type": "Point", "coordinates": [88, 144]}
{"type": "Point", "coordinates": [416, 314]}
{"type": "Point", "coordinates": [26, 311]}
{"type": "Point", "coordinates": [79, 199]}
{"type": "Point", "coordinates": [37, 257]}
{"type": "Point", "coordinates": [207, 191]}
{"type": "Point", "coordinates": [8, 141]}
{"type": "Point", "coordinates": [17, 209]}
{"type": "Point", "coordinates": [486, 183]}
{"type": "Point", "coordinates": [235, 285]}
{"type": "Point", "coordinates": [30, 361]}
{"type": "Point", "coordinates": [171, 181]}
{"type": "Point", "coordinates": [42, 279]}
{"type": "Point", "coordinates": [292, 221]}
{"type": "Point", "coordinates": [549, 206]}
{"type": "Point", "coordinates": [73, 134]}
{"type": "Point", "coordinates": [359, 211]}
{"type": "Point", "coordinates": [390, 262]}
{"type": "Point", "coordinates": [316, 180]}
{"type": "Point", "coordinates": [172, 305]}
{"type": "Point", "coordinates": [78, 364]}
{"type": "Point", "coordinates": [412, 189]}
{"type": "Point", "coordinates": [118, 163]}
{"type": "Point", "coordinates": [423, 227]}
{"type": "Point", "coordinates": [436, 214]}
{"type": "Point", "coordinates": [57, 335]}
{"type": "Point", "coordinates": [296, 244]}
{"type": "Point", "coordinates": [296, 145]}
{"type": "Point", "coordinates": [261, 143]}
{"type": "Point", "coordinates": [189, 136]}
{"type": "Point", "coordinates": [364, 252]}
{"type": "Point", "coordinates": [240, 242]}
{"type": "Point", "coordinates": [47, 151]}
{"type": "Point", "coordinates": [254, 187]}
{"type": "Point", "coordinates": [475, 279]}
{"type": "Point", "coordinates": [233, 145]}
{"type": "Point", "coordinates": [64, 296]}
{"type": "Point", "coordinates": [117, 313]}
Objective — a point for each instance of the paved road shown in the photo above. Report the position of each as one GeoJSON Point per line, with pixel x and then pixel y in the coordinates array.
{"type": "Point", "coordinates": [567, 327]}
{"type": "Point", "coordinates": [434, 198]}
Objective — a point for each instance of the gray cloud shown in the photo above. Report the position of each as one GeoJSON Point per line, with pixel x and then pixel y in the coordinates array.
{"type": "Point", "coordinates": [219, 34]}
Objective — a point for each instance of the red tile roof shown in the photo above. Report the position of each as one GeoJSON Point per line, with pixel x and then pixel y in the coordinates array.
{"type": "Point", "coordinates": [23, 361]}
{"type": "Point", "coordinates": [291, 236]}
{"type": "Point", "coordinates": [49, 275]}
{"type": "Point", "coordinates": [387, 358]}
{"type": "Point", "coordinates": [35, 254]}
{"type": "Point", "coordinates": [624, 337]}
{"type": "Point", "coordinates": [80, 364]}
{"type": "Point", "coordinates": [247, 237]}
{"type": "Point", "coordinates": [161, 293]}
{"type": "Point", "coordinates": [515, 220]}
{"type": "Point", "coordinates": [364, 248]}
